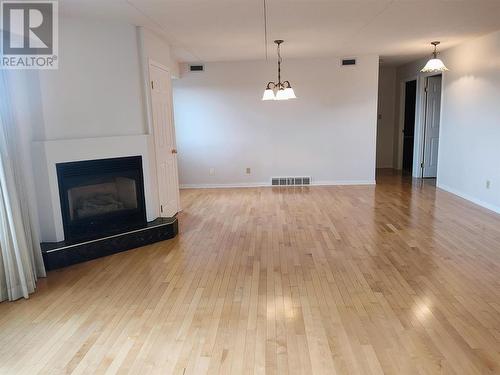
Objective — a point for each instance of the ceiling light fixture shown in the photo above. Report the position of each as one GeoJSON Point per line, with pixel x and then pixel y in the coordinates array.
{"type": "Point", "coordinates": [434, 65]}
{"type": "Point", "coordinates": [279, 90]}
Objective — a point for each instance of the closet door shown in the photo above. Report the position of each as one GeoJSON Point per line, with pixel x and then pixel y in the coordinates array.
{"type": "Point", "coordinates": [164, 140]}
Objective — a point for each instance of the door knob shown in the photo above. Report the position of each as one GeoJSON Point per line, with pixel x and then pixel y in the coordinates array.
{"type": "Point", "coordinates": [174, 151]}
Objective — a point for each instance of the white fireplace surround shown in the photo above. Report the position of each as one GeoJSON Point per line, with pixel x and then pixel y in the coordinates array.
{"type": "Point", "coordinates": [46, 154]}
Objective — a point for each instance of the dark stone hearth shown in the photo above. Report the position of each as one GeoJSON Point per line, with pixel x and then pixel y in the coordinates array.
{"type": "Point", "coordinates": [62, 254]}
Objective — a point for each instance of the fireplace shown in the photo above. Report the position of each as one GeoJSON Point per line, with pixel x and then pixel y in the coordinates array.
{"type": "Point", "coordinates": [101, 197]}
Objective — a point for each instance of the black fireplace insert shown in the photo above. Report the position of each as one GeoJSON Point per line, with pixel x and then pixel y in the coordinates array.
{"type": "Point", "coordinates": [101, 197]}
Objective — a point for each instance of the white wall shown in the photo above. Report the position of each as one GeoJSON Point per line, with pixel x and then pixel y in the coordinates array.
{"type": "Point", "coordinates": [469, 149]}
{"type": "Point", "coordinates": [386, 116]}
{"type": "Point", "coordinates": [95, 98]}
{"type": "Point", "coordinates": [97, 89]}
{"type": "Point", "coordinates": [469, 143]}
{"type": "Point", "coordinates": [328, 133]}
{"type": "Point", "coordinates": [157, 49]}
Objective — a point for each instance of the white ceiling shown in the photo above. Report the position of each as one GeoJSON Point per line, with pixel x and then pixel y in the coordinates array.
{"type": "Point", "coordinates": [221, 30]}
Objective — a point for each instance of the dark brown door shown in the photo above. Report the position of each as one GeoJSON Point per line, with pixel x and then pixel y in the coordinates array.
{"type": "Point", "coordinates": [409, 125]}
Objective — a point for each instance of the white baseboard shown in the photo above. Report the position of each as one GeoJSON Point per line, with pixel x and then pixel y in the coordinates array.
{"type": "Point", "coordinates": [344, 182]}
{"type": "Point", "coordinates": [469, 198]}
{"type": "Point", "coordinates": [223, 186]}
{"type": "Point", "coordinates": [268, 184]}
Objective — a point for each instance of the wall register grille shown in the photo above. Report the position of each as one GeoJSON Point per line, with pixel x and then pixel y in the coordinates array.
{"type": "Point", "coordinates": [290, 181]}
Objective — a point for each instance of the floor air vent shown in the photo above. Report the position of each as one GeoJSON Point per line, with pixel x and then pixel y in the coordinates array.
{"type": "Point", "coordinates": [290, 181]}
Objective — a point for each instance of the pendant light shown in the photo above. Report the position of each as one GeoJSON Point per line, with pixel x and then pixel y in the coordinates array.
{"type": "Point", "coordinates": [279, 90]}
{"type": "Point", "coordinates": [434, 65]}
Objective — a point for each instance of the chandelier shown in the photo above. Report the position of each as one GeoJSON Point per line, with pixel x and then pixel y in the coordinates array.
{"type": "Point", "coordinates": [279, 90]}
{"type": "Point", "coordinates": [434, 65]}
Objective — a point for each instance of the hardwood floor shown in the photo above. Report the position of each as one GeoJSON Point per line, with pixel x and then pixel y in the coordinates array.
{"type": "Point", "coordinates": [394, 279]}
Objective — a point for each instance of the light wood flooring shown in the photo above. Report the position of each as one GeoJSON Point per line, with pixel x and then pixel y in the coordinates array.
{"type": "Point", "coordinates": [394, 279]}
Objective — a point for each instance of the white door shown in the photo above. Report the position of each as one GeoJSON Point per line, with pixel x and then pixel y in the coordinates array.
{"type": "Point", "coordinates": [164, 140]}
{"type": "Point", "coordinates": [431, 135]}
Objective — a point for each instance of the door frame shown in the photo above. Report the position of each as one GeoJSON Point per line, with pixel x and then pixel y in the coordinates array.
{"type": "Point", "coordinates": [424, 121]}
{"type": "Point", "coordinates": [400, 138]}
{"type": "Point", "coordinates": [420, 108]}
{"type": "Point", "coordinates": [149, 107]}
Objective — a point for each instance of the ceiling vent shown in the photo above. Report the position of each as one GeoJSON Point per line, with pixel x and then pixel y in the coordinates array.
{"type": "Point", "coordinates": [196, 68]}
{"type": "Point", "coordinates": [290, 181]}
{"type": "Point", "coordinates": [346, 62]}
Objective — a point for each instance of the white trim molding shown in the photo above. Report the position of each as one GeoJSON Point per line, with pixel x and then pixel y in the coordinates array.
{"type": "Point", "coordinates": [268, 184]}
{"type": "Point", "coordinates": [469, 198]}
{"type": "Point", "coordinates": [343, 182]}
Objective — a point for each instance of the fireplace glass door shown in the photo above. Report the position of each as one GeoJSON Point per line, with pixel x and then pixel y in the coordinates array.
{"type": "Point", "coordinates": [109, 195]}
{"type": "Point", "coordinates": [101, 197]}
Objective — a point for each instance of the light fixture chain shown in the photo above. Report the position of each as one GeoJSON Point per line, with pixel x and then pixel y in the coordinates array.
{"type": "Point", "coordinates": [279, 66]}
{"type": "Point", "coordinates": [265, 27]}
{"type": "Point", "coordinates": [279, 90]}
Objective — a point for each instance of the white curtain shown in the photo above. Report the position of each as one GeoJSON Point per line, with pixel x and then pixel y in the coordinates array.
{"type": "Point", "coordinates": [20, 256]}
